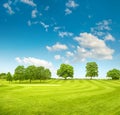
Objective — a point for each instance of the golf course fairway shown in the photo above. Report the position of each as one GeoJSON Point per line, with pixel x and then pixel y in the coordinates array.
{"type": "Point", "coordinates": [61, 97]}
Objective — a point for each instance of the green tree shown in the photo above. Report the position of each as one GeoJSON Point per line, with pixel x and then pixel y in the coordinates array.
{"type": "Point", "coordinates": [47, 74]}
{"type": "Point", "coordinates": [40, 73]}
{"type": "Point", "coordinates": [114, 74]}
{"type": "Point", "coordinates": [65, 71]}
{"type": "Point", "coordinates": [3, 75]}
{"type": "Point", "coordinates": [9, 77]}
{"type": "Point", "coordinates": [19, 73]}
{"type": "Point", "coordinates": [31, 72]}
{"type": "Point", "coordinates": [91, 69]}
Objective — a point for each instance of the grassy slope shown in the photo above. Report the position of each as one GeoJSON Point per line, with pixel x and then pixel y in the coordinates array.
{"type": "Point", "coordinates": [70, 97]}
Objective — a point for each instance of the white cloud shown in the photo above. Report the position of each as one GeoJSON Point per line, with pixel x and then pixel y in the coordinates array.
{"type": "Point", "coordinates": [104, 25]}
{"type": "Point", "coordinates": [99, 33]}
{"type": "Point", "coordinates": [81, 54]}
{"type": "Point", "coordinates": [44, 25]}
{"type": "Point", "coordinates": [57, 57]}
{"type": "Point", "coordinates": [68, 11]}
{"type": "Point", "coordinates": [67, 34]}
{"type": "Point", "coordinates": [71, 4]}
{"type": "Point", "coordinates": [56, 28]}
{"type": "Point", "coordinates": [109, 37]}
{"type": "Point", "coordinates": [29, 23]}
{"type": "Point", "coordinates": [47, 8]}
{"type": "Point", "coordinates": [69, 54]}
{"type": "Point", "coordinates": [8, 7]}
{"type": "Point", "coordinates": [72, 46]}
{"type": "Point", "coordinates": [57, 47]}
{"type": "Point", "coordinates": [34, 61]}
{"type": "Point", "coordinates": [29, 2]}
{"type": "Point", "coordinates": [92, 47]}
{"type": "Point", "coordinates": [37, 62]}
{"type": "Point", "coordinates": [18, 60]}
{"type": "Point", "coordinates": [102, 28]}
{"type": "Point", "coordinates": [34, 13]}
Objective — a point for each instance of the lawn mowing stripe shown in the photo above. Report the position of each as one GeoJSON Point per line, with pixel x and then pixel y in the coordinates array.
{"type": "Point", "coordinates": [91, 97]}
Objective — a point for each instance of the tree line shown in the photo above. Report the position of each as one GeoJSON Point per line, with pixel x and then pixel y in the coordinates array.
{"type": "Point", "coordinates": [30, 73]}
{"type": "Point", "coordinates": [41, 73]}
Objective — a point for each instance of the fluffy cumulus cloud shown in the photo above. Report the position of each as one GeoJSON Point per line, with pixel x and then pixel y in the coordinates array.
{"type": "Point", "coordinates": [37, 62]}
{"type": "Point", "coordinates": [65, 34]}
{"type": "Point", "coordinates": [18, 60]}
{"type": "Point", "coordinates": [34, 61]}
{"type": "Point", "coordinates": [81, 54]}
{"type": "Point", "coordinates": [91, 46]}
{"type": "Point", "coordinates": [29, 2]}
{"type": "Point", "coordinates": [57, 47]}
{"type": "Point", "coordinates": [8, 7]}
{"type": "Point", "coordinates": [57, 57]}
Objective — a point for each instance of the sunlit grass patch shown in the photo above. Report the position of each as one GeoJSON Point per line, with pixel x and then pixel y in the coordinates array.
{"type": "Point", "coordinates": [61, 97]}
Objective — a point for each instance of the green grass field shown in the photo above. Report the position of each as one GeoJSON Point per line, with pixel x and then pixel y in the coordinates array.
{"type": "Point", "coordinates": [61, 97]}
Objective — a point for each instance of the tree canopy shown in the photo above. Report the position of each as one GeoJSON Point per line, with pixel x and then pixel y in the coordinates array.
{"type": "Point", "coordinates": [91, 69]}
{"type": "Point", "coordinates": [31, 73]}
{"type": "Point", "coordinates": [114, 74]}
{"type": "Point", "coordinates": [42, 73]}
{"type": "Point", "coordinates": [19, 73]}
{"type": "Point", "coordinates": [65, 71]}
{"type": "Point", "coordinates": [2, 75]}
{"type": "Point", "coordinates": [47, 74]}
{"type": "Point", "coordinates": [9, 77]}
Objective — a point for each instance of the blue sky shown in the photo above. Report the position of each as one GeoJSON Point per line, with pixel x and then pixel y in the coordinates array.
{"type": "Point", "coordinates": [50, 32]}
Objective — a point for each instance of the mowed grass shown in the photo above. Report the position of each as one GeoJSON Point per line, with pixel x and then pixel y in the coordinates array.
{"type": "Point", "coordinates": [61, 97]}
